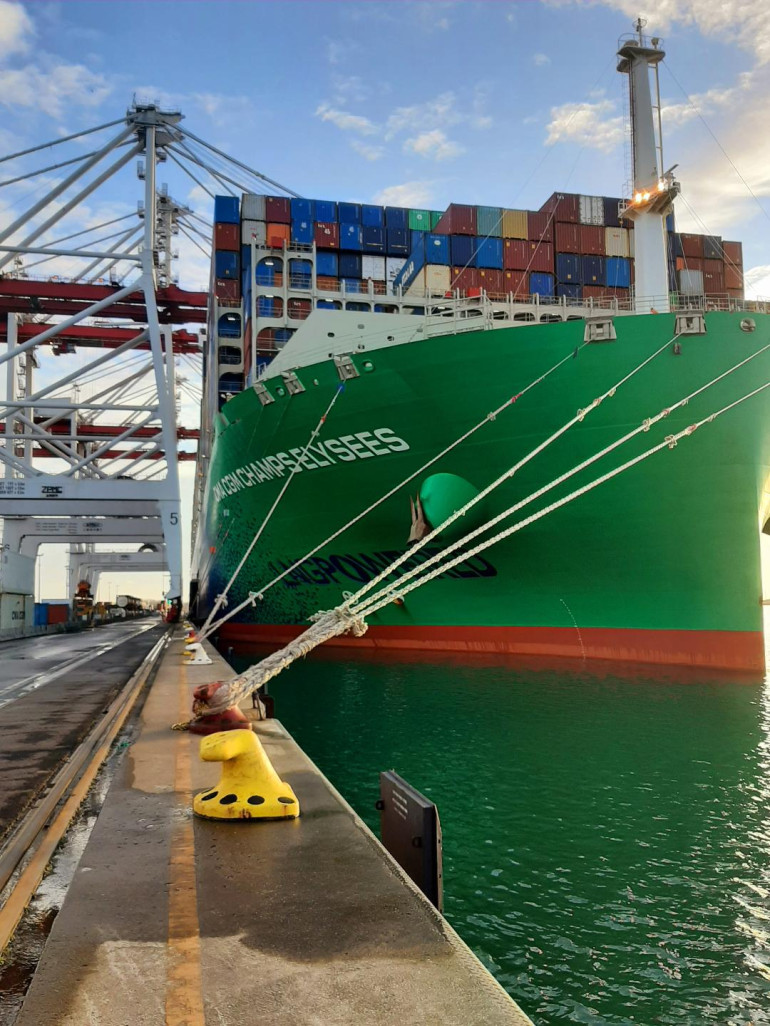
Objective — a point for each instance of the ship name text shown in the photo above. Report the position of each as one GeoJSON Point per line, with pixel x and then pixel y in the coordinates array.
{"type": "Point", "coordinates": [361, 446]}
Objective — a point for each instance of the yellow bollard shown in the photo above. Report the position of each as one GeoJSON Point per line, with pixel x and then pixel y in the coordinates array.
{"type": "Point", "coordinates": [249, 787]}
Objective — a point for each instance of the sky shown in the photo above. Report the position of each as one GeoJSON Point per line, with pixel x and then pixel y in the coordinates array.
{"type": "Point", "coordinates": [409, 102]}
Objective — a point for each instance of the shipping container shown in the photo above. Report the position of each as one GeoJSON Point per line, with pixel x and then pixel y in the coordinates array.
{"type": "Point", "coordinates": [373, 239]}
{"type": "Point", "coordinates": [435, 217]}
{"type": "Point", "coordinates": [689, 264]}
{"type": "Point", "coordinates": [437, 278]}
{"type": "Point", "coordinates": [462, 249]}
{"type": "Point", "coordinates": [300, 274]}
{"type": "Point", "coordinates": [571, 290]}
{"type": "Point", "coordinates": [302, 232]}
{"type": "Point", "coordinates": [372, 216]}
{"type": "Point", "coordinates": [592, 240]}
{"type": "Point", "coordinates": [419, 220]}
{"type": "Point", "coordinates": [350, 265]}
{"type": "Point", "coordinates": [327, 283]}
{"type": "Point", "coordinates": [301, 209]}
{"type": "Point", "coordinates": [413, 285]}
{"type": "Point", "coordinates": [396, 217]}
{"type": "Point", "coordinates": [692, 245]}
{"type": "Point", "coordinates": [277, 234]}
{"type": "Point", "coordinates": [325, 211]}
{"type": "Point", "coordinates": [227, 236]}
{"type": "Point", "coordinates": [670, 222]}
{"type": "Point", "coordinates": [713, 277]}
{"type": "Point", "coordinates": [539, 227]}
{"type": "Point", "coordinates": [298, 309]}
{"type": "Point", "coordinates": [253, 207]}
{"type": "Point", "coordinates": [568, 268]}
{"type": "Point", "coordinates": [266, 272]}
{"type": "Point", "coordinates": [489, 253]}
{"type": "Point", "coordinates": [489, 221]}
{"type": "Point", "coordinates": [226, 210]}
{"type": "Point", "coordinates": [691, 283]}
{"type": "Point", "coordinates": [393, 267]}
{"type": "Point", "coordinates": [373, 267]}
{"type": "Point", "coordinates": [515, 283]}
{"type": "Point", "coordinates": [733, 278]}
{"type": "Point", "coordinates": [278, 209]}
{"type": "Point", "coordinates": [353, 284]}
{"type": "Point", "coordinates": [616, 242]}
{"type": "Point", "coordinates": [617, 272]}
{"type": "Point", "coordinates": [594, 270]}
{"type": "Point", "coordinates": [256, 230]}
{"type": "Point", "coordinates": [514, 224]}
{"type": "Point", "coordinates": [41, 614]}
{"type": "Point", "coordinates": [541, 257]}
{"type": "Point", "coordinates": [351, 235]}
{"type": "Point", "coordinates": [437, 249]}
{"type": "Point", "coordinates": [712, 247]}
{"type": "Point", "coordinates": [516, 254]}
{"type": "Point", "coordinates": [564, 206]}
{"type": "Point", "coordinates": [464, 278]}
{"type": "Point", "coordinates": [227, 265]}
{"type": "Point", "coordinates": [459, 219]}
{"type": "Point", "coordinates": [611, 204]}
{"type": "Point", "coordinates": [492, 280]}
{"type": "Point", "coordinates": [733, 253]}
{"type": "Point", "coordinates": [735, 293]}
{"type": "Point", "coordinates": [591, 210]}
{"type": "Point", "coordinates": [540, 284]}
{"type": "Point", "coordinates": [567, 237]}
{"type": "Point", "coordinates": [269, 306]}
{"type": "Point", "coordinates": [349, 213]}
{"type": "Point", "coordinates": [397, 241]}
{"type": "Point", "coordinates": [59, 612]}
{"type": "Point", "coordinates": [327, 264]}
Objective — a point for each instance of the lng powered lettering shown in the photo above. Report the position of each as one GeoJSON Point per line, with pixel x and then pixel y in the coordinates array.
{"type": "Point", "coordinates": [362, 446]}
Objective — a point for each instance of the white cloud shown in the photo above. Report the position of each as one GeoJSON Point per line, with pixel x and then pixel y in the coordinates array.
{"type": "Point", "coordinates": [709, 102]}
{"type": "Point", "coordinates": [50, 90]}
{"type": "Point", "coordinates": [16, 28]}
{"type": "Point", "coordinates": [757, 282]}
{"type": "Point", "coordinates": [438, 113]}
{"type": "Point", "coordinates": [540, 59]}
{"type": "Point", "coordinates": [346, 121]}
{"type": "Point", "coordinates": [408, 194]}
{"type": "Point", "coordinates": [368, 152]}
{"type": "Point", "coordinates": [434, 145]}
{"type": "Point", "coordinates": [590, 124]}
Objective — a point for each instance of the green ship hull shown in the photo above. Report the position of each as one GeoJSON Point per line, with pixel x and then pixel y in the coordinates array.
{"type": "Point", "coordinates": [661, 564]}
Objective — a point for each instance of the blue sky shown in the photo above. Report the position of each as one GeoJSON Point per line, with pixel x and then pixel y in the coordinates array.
{"type": "Point", "coordinates": [415, 103]}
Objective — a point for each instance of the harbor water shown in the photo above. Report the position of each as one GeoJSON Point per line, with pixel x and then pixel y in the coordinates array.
{"type": "Point", "coordinates": [606, 833]}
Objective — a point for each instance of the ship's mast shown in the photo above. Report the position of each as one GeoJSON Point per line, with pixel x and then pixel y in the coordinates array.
{"type": "Point", "coordinates": [653, 189]}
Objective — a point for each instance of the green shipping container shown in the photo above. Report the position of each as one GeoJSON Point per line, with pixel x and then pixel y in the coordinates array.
{"type": "Point", "coordinates": [419, 220]}
{"type": "Point", "coordinates": [435, 217]}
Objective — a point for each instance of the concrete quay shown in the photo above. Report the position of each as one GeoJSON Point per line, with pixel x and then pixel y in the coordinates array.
{"type": "Point", "coordinates": [175, 920]}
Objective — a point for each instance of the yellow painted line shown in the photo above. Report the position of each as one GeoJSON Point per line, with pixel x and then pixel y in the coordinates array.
{"type": "Point", "coordinates": [184, 991]}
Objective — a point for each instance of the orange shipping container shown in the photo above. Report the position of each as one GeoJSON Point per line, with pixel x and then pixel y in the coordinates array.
{"type": "Point", "coordinates": [733, 279]}
{"type": "Point", "coordinates": [733, 253]}
{"type": "Point", "coordinates": [692, 246]}
{"type": "Point", "coordinates": [277, 234]}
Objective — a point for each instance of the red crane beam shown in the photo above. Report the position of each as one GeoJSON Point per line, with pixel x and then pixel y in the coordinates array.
{"type": "Point", "coordinates": [99, 337]}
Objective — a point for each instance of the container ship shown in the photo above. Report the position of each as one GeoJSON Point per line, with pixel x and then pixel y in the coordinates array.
{"type": "Point", "coordinates": [396, 330]}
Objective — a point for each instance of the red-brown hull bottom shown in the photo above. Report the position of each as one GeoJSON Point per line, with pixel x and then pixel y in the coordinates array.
{"type": "Point", "coordinates": [720, 650]}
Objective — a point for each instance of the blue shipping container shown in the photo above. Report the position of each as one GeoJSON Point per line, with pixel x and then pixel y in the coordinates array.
{"type": "Point", "coordinates": [572, 290]}
{"type": "Point", "coordinates": [618, 272]}
{"type": "Point", "coordinates": [265, 274]}
{"type": "Point", "coordinates": [326, 211]}
{"type": "Point", "coordinates": [374, 239]}
{"type": "Point", "coordinates": [350, 265]}
{"type": "Point", "coordinates": [594, 270]}
{"type": "Point", "coordinates": [326, 263]}
{"type": "Point", "coordinates": [489, 221]}
{"type": "Point", "coordinates": [302, 231]}
{"type": "Point", "coordinates": [350, 213]}
{"type": "Point", "coordinates": [351, 236]}
{"type": "Point", "coordinates": [353, 284]}
{"type": "Point", "coordinates": [568, 267]}
{"type": "Point", "coordinates": [540, 284]}
{"type": "Point", "coordinates": [670, 223]}
{"type": "Point", "coordinates": [302, 210]}
{"type": "Point", "coordinates": [372, 217]}
{"type": "Point", "coordinates": [226, 264]}
{"type": "Point", "coordinates": [41, 614]}
{"type": "Point", "coordinates": [227, 209]}
{"type": "Point", "coordinates": [265, 306]}
{"type": "Point", "coordinates": [462, 249]}
{"type": "Point", "coordinates": [489, 253]}
{"type": "Point", "coordinates": [328, 304]}
{"type": "Point", "coordinates": [436, 249]}
{"type": "Point", "coordinates": [675, 244]}
{"type": "Point", "coordinates": [416, 239]}
{"type": "Point", "coordinates": [396, 217]}
{"type": "Point", "coordinates": [397, 241]}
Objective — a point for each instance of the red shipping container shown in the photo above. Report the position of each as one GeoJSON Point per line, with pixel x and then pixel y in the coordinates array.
{"type": "Point", "coordinates": [567, 238]}
{"type": "Point", "coordinates": [733, 253]}
{"type": "Point", "coordinates": [692, 246]}
{"type": "Point", "coordinates": [714, 267]}
{"type": "Point", "coordinates": [735, 293]}
{"type": "Point", "coordinates": [327, 284]}
{"type": "Point", "coordinates": [564, 206]}
{"type": "Point", "coordinates": [465, 278]}
{"type": "Point", "coordinates": [458, 219]}
{"type": "Point", "coordinates": [492, 280]}
{"type": "Point", "coordinates": [541, 257]}
{"type": "Point", "coordinates": [515, 282]}
{"type": "Point", "coordinates": [516, 254]}
{"type": "Point", "coordinates": [227, 236]}
{"type": "Point", "coordinates": [227, 288]}
{"type": "Point", "coordinates": [277, 234]}
{"type": "Point", "coordinates": [595, 291]}
{"type": "Point", "coordinates": [278, 209]}
{"type": "Point", "coordinates": [592, 240]}
{"type": "Point", "coordinates": [733, 278]}
{"type": "Point", "coordinates": [326, 234]}
{"type": "Point", "coordinates": [58, 612]}
{"type": "Point", "coordinates": [539, 227]}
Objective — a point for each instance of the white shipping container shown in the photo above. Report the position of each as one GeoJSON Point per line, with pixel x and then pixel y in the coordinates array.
{"type": "Point", "coordinates": [373, 267]}
{"type": "Point", "coordinates": [691, 283]}
{"type": "Point", "coordinates": [258, 229]}
{"type": "Point", "coordinates": [393, 267]}
{"type": "Point", "coordinates": [253, 207]}
{"type": "Point", "coordinates": [417, 287]}
{"type": "Point", "coordinates": [437, 278]}
{"type": "Point", "coordinates": [591, 210]}
{"type": "Point", "coordinates": [616, 242]}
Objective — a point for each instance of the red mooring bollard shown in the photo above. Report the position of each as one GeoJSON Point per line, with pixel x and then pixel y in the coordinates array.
{"type": "Point", "coordinates": [212, 723]}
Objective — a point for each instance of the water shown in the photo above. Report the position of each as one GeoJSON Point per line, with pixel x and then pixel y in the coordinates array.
{"type": "Point", "coordinates": [606, 839]}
